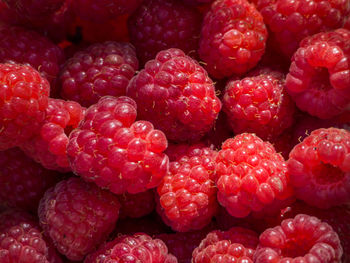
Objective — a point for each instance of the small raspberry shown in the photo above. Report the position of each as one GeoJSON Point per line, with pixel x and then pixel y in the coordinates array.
{"type": "Point", "coordinates": [49, 146]}
{"type": "Point", "coordinates": [319, 168]}
{"type": "Point", "coordinates": [136, 205]}
{"type": "Point", "coordinates": [22, 181]}
{"type": "Point", "coordinates": [175, 93]}
{"type": "Point", "coordinates": [112, 150]}
{"type": "Point", "coordinates": [161, 24]}
{"type": "Point", "coordinates": [78, 216]}
{"type": "Point", "coordinates": [100, 69]}
{"type": "Point", "coordinates": [235, 245]}
{"type": "Point", "coordinates": [23, 100]}
{"type": "Point", "coordinates": [319, 76]}
{"type": "Point", "coordinates": [233, 38]}
{"type": "Point", "coordinates": [301, 239]}
{"type": "Point", "coordinates": [187, 194]}
{"type": "Point", "coordinates": [250, 175]}
{"type": "Point", "coordinates": [132, 248]}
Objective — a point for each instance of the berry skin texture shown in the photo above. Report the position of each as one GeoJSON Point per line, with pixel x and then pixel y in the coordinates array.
{"type": "Point", "coordinates": [136, 205]}
{"type": "Point", "coordinates": [319, 76]}
{"type": "Point", "coordinates": [235, 245]}
{"type": "Point", "coordinates": [115, 152]}
{"type": "Point", "coordinates": [250, 175]}
{"type": "Point", "coordinates": [291, 21]}
{"type": "Point", "coordinates": [175, 93]}
{"type": "Point", "coordinates": [138, 247]}
{"type": "Point", "coordinates": [162, 24]}
{"type": "Point", "coordinates": [23, 100]}
{"type": "Point", "coordinates": [49, 146]}
{"type": "Point", "coordinates": [301, 239]}
{"type": "Point", "coordinates": [233, 38]}
{"type": "Point", "coordinates": [99, 70]}
{"type": "Point", "coordinates": [77, 216]}
{"type": "Point", "coordinates": [259, 104]}
{"type": "Point", "coordinates": [319, 168]}
{"type": "Point", "coordinates": [22, 181]}
{"type": "Point", "coordinates": [187, 194]}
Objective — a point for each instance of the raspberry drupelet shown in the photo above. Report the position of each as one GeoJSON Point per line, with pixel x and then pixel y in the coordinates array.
{"type": "Point", "coordinates": [250, 175]}
{"type": "Point", "coordinates": [137, 205]}
{"type": "Point", "coordinates": [99, 70]}
{"type": "Point", "coordinates": [23, 100]}
{"type": "Point", "coordinates": [78, 216]}
{"type": "Point", "coordinates": [116, 152]}
{"type": "Point", "coordinates": [233, 38]}
{"type": "Point", "coordinates": [175, 93]}
{"type": "Point", "coordinates": [319, 168]}
{"type": "Point", "coordinates": [301, 239]}
{"type": "Point", "coordinates": [319, 76]}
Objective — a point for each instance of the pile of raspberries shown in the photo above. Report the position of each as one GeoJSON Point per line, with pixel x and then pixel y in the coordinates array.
{"type": "Point", "coordinates": [175, 131]}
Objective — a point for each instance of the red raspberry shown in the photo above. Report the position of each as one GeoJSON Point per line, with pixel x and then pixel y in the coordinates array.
{"type": "Point", "coordinates": [112, 150]}
{"type": "Point", "coordinates": [187, 194]}
{"type": "Point", "coordinates": [22, 181]}
{"type": "Point", "coordinates": [132, 248]}
{"type": "Point", "coordinates": [161, 24]}
{"type": "Point", "coordinates": [301, 239]}
{"type": "Point", "coordinates": [77, 216]}
{"type": "Point", "coordinates": [259, 104]}
{"type": "Point", "coordinates": [175, 93]}
{"type": "Point", "coordinates": [49, 146]}
{"type": "Point", "coordinates": [176, 151]}
{"type": "Point", "coordinates": [99, 70]}
{"type": "Point", "coordinates": [233, 38]}
{"type": "Point", "coordinates": [319, 77]}
{"type": "Point", "coordinates": [292, 20]}
{"type": "Point", "coordinates": [250, 175]}
{"type": "Point", "coordinates": [23, 100]}
{"type": "Point", "coordinates": [136, 205]}
{"type": "Point", "coordinates": [320, 168]}
{"type": "Point", "coordinates": [235, 245]}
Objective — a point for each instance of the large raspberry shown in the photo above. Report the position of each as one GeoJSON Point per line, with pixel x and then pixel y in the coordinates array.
{"type": "Point", "coordinates": [112, 150]}
{"type": "Point", "coordinates": [22, 181]}
{"type": "Point", "coordinates": [187, 194]}
{"type": "Point", "coordinates": [49, 146]}
{"type": "Point", "coordinates": [23, 101]}
{"type": "Point", "coordinates": [319, 76]}
{"type": "Point", "coordinates": [161, 24]}
{"type": "Point", "coordinates": [99, 70]}
{"type": "Point", "coordinates": [250, 175]}
{"type": "Point", "coordinates": [233, 38]}
{"type": "Point", "coordinates": [291, 21]}
{"type": "Point", "coordinates": [320, 168]}
{"type": "Point", "coordinates": [175, 93]}
{"type": "Point", "coordinates": [136, 205]}
{"type": "Point", "coordinates": [78, 216]}
{"type": "Point", "coordinates": [301, 239]}
{"type": "Point", "coordinates": [235, 245]}
{"type": "Point", "coordinates": [132, 248]}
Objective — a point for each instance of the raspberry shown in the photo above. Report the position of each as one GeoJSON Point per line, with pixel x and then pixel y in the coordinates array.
{"type": "Point", "coordinates": [250, 175]}
{"type": "Point", "coordinates": [259, 104]}
{"type": "Point", "coordinates": [23, 100]}
{"type": "Point", "coordinates": [132, 248]}
{"type": "Point", "coordinates": [161, 24]}
{"type": "Point", "coordinates": [136, 205]}
{"type": "Point", "coordinates": [48, 147]}
{"type": "Point", "coordinates": [112, 150]}
{"type": "Point", "coordinates": [301, 239]}
{"type": "Point", "coordinates": [291, 21]}
{"type": "Point", "coordinates": [99, 70]}
{"type": "Point", "coordinates": [175, 93]}
{"type": "Point", "coordinates": [320, 168]}
{"type": "Point", "coordinates": [235, 245]}
{"type": "Point", "coordinates": [77, 216]}
{"type": "Point", "coordinates": [233, 38]}
{"type": "Point", "coordinates": [176, 151]}
{"type": "Point", "coordinates": [319, 77]}
{"type": "Point", "coordinates": [22, 181]}
{"type": "Point", "coordinates": [187, 194]}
